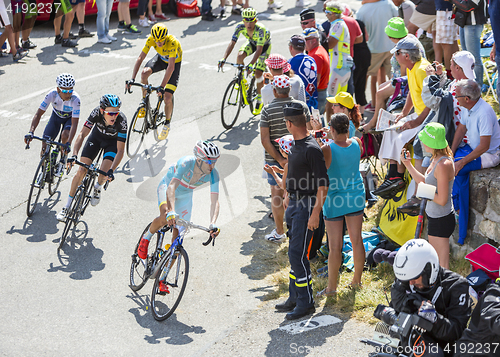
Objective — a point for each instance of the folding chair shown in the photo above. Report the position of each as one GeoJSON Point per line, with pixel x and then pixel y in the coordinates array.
{"type": "Point", "coordinates": [490, 70]}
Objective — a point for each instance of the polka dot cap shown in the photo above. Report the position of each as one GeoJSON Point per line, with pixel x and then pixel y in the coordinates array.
{"type": "Point", "coordinates": [277, 61]}
{"type": "Point", "coordinates": [281, 81]}
{"type": "Point", "coordinates": [285, 143]}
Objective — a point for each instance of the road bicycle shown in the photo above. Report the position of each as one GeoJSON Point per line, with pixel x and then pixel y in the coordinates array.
{"type": "Point", "coordinates": [239, 93]}
{"type": "Point", "coordinates": [167, 265]}
{"type": "Point", "coordinates": [82, 196]}
{"type": "Point", "coordinates": [145, 119]}
{"type": "Point", "coordinates": [49, 171]}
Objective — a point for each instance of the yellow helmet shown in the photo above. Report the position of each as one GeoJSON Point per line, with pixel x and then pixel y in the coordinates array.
{"type": "Point", "coordinates": [159, 32]}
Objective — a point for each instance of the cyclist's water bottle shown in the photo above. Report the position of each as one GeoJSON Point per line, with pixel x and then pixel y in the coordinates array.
{"type": "Point", "coordinates": [167, 247]}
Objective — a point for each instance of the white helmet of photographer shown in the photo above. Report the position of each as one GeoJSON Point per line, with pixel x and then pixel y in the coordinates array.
{"type": "Point", "coordinates": [416, 258]}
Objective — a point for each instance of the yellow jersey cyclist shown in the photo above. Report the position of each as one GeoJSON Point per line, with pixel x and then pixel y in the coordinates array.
{"type": "Point", "coordinates": [259, 43]}
{"type": "Point", "coordinates": [175, 191]}
{"type": "Point", "coordinates": [169, 58]}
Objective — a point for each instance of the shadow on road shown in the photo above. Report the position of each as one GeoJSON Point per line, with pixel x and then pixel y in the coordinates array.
{"type": "Point", "coordinates": [44, 214]}
{"type": "Point", "coordinates": [172, 330]}
{"type": "Point", "coordinates": [78, 257]}
{"type": "Point", "coordinates": [241, 134]}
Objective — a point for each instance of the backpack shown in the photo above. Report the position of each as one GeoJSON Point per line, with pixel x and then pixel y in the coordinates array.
{"type": "Point", "coordinates": [465, 5]}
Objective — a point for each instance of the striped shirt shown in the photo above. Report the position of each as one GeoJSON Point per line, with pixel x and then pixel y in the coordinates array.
{"type": "Point", "coordinates": [272, 117]}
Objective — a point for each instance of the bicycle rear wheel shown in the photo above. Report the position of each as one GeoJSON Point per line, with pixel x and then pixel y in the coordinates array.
{"type": "Point", "coordinates": [231, 104]}
{"type": "Point", "coordinates": [56, 177]}
{"type": "Point", "coordinates": [73, 215]}
{"type": "Point", "coordinates": [160, 121]}
{"type": "Point", "coordinates": [136, 131]}
{"type": "Point", "coordinates": [36, 186]}
{"type": "Point", "coordinates": [141, 269]}
{"type": "Point", "coordinates": [163, 304]}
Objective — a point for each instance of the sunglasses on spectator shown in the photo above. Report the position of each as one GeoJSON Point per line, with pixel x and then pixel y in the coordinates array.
{"type": "Point", "coordinates": [113, 114]}
{"type": "Point", "coordinates": [305, 22]}
{"type": "Point", "coordinates": [249, 19]}
{"type": "Point", "coordinates": [66, 91]}
{"type": "Point", "coordinates": [398, 52]}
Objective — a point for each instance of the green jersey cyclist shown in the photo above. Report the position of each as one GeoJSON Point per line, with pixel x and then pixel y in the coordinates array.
{"type": "Point", "coordinates": [169, 58]}
{"type": "Point", "coordinates": [259, 43]}
{"type": "Point", "coordinates": [175, 191]}
{"type": "Point", "coordinates": [107, 127]}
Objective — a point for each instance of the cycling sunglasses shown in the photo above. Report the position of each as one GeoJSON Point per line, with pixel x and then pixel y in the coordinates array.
{"type": "Point", "coordinates": [113, 114]}
{"type": "Point", "coordinates": [330, 10]}
{"type": "Point", "coordinates": [249, 19]}
{"type": "Point", "coordinates": [66, 91]}
{"type": "Point", "coordinates": [210, 161]}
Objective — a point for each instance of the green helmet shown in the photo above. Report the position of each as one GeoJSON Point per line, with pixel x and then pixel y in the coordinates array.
{"type": "Point", "coordinates": [249, 14]}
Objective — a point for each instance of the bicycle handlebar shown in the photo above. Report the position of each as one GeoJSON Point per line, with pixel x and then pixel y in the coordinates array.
{"type": "Point", "coordinates": [237, 65]}
{"type": "Point", "coordinates": [92, 169]}
{"type": "Point", "coordinates": [188, 224]}
{"type": "Point", "coordinates": [148, 87]}
{"type": "Point", "coordinates": [48, 141]}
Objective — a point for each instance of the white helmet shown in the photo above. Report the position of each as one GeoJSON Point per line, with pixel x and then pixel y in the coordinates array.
{"type": "Point", "coordinates": [414, 259]}
{"type": "Point", "coordinates": [206, 150]}
{"type": "Point", "coordinates": [65, 80]}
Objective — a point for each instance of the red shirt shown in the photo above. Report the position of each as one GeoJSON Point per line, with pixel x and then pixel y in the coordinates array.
{"type": "Point", "coordinates": [354, 29]}
{"type": "Point", "coordinates": [323, 63]}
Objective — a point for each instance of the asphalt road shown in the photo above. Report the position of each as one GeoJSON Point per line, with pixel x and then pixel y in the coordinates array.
{"type": "Point", "coordinates": [77, 302]}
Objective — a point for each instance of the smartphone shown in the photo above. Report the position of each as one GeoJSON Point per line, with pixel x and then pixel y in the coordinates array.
{"type": "Point", "coordinates": [266, 80]}
{"type": "Point", "coordinates": [318, 134]}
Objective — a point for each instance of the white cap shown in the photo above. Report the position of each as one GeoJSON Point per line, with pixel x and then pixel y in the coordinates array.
{"type": "Point", "coordinates": [466, 61]}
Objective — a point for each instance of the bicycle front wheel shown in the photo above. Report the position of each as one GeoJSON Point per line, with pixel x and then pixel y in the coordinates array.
{"type": "Point", "coordinates": [73, 215]}
{"type": "Point", "coordinates": [160, 121]}
{"type": "Point", "coordinates": [36, 186]}
{"type": "Point", "coordinates": [231, 104]}
{"type": "Point", "coordinates": [140, 269]}
{"type": "Point", "coordinates": [174, 279]}
{"type": "Point", "coordinates": [136, 131]}
{"type": "Point", "coordinates": [252, 98]}
{"type": "Point", "coordinates": [57, 174]}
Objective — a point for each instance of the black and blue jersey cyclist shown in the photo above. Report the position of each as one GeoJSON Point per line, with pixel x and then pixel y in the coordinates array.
{"type": "Point", "coordinates": [107, 127]}
{"type": "Point", "coordinates": [65, 112]}
{"type": "Point", "coordinates": [259, 43]}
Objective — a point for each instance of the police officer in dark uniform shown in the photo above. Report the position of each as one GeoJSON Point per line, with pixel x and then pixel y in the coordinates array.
{"type": "Point", "coordinates": [308, 20]}
{"type": "Point", "coordinates": [307, 185]}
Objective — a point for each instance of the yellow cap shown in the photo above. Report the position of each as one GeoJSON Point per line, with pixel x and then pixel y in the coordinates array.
{"type": "Point", "coordinates": [342, 98]}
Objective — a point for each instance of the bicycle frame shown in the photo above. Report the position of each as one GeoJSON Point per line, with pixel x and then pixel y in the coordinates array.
{"type": "Point", "coordinates": [241, 78]}
{"type": "Point", "coordinates": [145, 101]}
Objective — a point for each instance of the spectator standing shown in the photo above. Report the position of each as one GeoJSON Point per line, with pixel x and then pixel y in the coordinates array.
{"type": "Point", "coordinates": [343, 103]}
{"type": "Point", "coordinates": [441, 174]}
{"type": "Point", "coordinates": [320, 56]}
{"type": "Point", "coordinates": [362, 58]}
{"type": "Point", "coordinates": [339, 43]}
{"type": "Point", "coordinates": [423, 17]}
{"type": "Point", "coordinates": [494, 11]}
{"type": "Point", "coordinates": [8, 34]}
{"type": "Point", "coordinates": [272, 127]}
{"type": "Point", "coordinates": [158, 15]}
{"type": "Point", "coordinates": [445, 42]}
{"type": "Point", "coordinates": [375, 17]}
{"type": "Point", "coordinates": [67, 38]}
{"type": "Point", "coordinates": [28, 23]}
{"type": "Point", "coordinates": [405, 9]}
{"type": "Point", "coordinates": [141, 12]}
{"type": "Point", "coordinates": [481, 152]}
{"type": "Point", "coordinates": [307, 186]}
{"type": "Point", "coordinates": [471, 25]}
{"type": "Point", "coordinates": [102, 21]}
{"type": "Point", "coordinates": [356, 36]}
{"type": "Point", "coordinates": [308, 20]}
{"type": "Point", "coordinates": [124, 20]}
{"type": "Point", "coordinates": [305, 67]}
{"type": "Point", "coordinates": [345, 200]}
{"type": "Point", "coordinates": [278, 65]}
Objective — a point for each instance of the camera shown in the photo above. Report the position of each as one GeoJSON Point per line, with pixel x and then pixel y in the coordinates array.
{"type": "Point", "coordinates": [266, 80]}
{"type": "Point", "coordinates": [401, 325]}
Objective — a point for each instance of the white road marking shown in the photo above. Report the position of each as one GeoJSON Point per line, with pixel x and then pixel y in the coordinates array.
{"type": "Point", "coordinates": [307, 325]}
{"type": "Point", "coordinates": [43, 91]}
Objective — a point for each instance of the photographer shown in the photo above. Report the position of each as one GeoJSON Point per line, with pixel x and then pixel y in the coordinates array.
{"type": "Point", "coordinates": [442, 296]}
{"type": "Point", "coordinates": [482, 337]}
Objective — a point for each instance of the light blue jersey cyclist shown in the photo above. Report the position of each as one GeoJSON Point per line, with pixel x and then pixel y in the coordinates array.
{"type": "Point", "coordinates": [175, 191]}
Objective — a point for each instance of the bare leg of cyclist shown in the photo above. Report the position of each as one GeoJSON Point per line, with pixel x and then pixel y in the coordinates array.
{"type": "Point", "coordinates": [77, 179]}
{"type": "Point", "coordinates": [241, 57]}
{"type": "Point", "coordinates": [146, 72]}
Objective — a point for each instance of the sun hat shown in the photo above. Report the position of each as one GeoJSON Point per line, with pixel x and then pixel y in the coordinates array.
{"type": "Point", "coordinates": [285, 143]}
{"type": "Point", "coordinates": [310, 32]}
{"type": "Point", "coordinates": [433, 136]}
{"type": "Point", "coordinates": [277, 61]}
{"type": "Point", "coordinates": [396, 28]}
{"type": "Point", "coordinates": [342, 98]}
{"type": "Point", "coordinates": [282, 81]}
{"type": "Point", "coordinates": [307, 14]}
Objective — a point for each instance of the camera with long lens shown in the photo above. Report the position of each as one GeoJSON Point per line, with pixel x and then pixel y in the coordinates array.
{"type": "Point", "coordinates": [402, 324]}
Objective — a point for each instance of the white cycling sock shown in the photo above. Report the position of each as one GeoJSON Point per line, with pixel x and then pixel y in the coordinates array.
{"type": "Point", "coordinates": [97, 186]}
{"type": "Point", "coordinates": [147, 236]}
{"type": "Point", "coordinates": [68, 203]}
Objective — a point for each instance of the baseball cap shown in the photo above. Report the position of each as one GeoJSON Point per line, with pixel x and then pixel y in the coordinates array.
{"type": "Point", "coordinates": [297, 41]}
{"type": "Point", "coordinates": [293, 108]}
{"type": "Point", "coordinates": [466, 61]}
{"type": "Point", "coordinates": [433, 136]}
{"type": "Point", "coordinates": [307, 14]}
{"type": "Point", "coordinates": [311, 32]}
{"type": "Point", "coordinates": [277, 61]}
{"type": "Point", "coordinates": [407, 43]}
{"type": "Point", "coordinates": [396, 28]}
{"type": "Point", "coordinates": [285, 143]}
{"type": "Point", "coordinates": [342, 98]}
{"type": "Point", "coordinates": [282, 81]}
